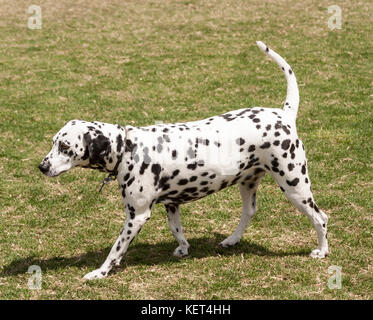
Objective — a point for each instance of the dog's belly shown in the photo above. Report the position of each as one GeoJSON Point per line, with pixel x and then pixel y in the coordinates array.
{"type": "Point", "coordinates": [191, 188]}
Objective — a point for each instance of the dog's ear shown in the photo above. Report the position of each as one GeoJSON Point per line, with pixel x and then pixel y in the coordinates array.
{"type": "Point", "coordinates": [96, 149]}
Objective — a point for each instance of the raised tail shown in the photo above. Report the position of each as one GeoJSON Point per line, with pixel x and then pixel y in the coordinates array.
{"type": "Point", "coordinates": [292, 95]}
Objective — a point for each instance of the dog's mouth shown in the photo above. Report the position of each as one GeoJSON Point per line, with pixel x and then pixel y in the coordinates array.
{"type": "Point", "coordinates": [53, 174]}
{"type": "Point", "coordinates": [48, 171]}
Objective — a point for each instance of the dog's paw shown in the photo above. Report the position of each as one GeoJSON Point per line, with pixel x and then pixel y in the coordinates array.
{"type": "Point", "coordinates": [317, 253]}
{"type": "Point", "coordinates": [96, 274]}
{"type": "Point", "coordinates": [181, 252]}
{"type": "Point", "coordinates": [229, 242]}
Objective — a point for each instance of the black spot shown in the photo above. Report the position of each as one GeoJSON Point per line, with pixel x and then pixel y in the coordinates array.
{"type": "Point", "coordinates": [192, 166]}
{"type": "Point", "coordinates": [293, 182]}
{"type": "Point", "coordinates": [166, 187]}
{"type": "Point", "coordinates": [119, 143]}
{"type": "Point", "coordinates": [175, 173]}
{"type": "Point", "coordinates": [285, 144]}
{"type": "Point", "coordinates": [156, 169]}
{"type": "Point", "coordinates": [162, 182]}
{"type": "Point", "coordinates": [130, 147]}
{"type": "Point", "coordinates": [201, 163]}
{"type": "Point", "coordinates": [205, 189]}
{"type": "Point", "coordinates": [240, 141]}
{"type": "Point", "coordinates": [251, 148]}
{"type": "Point", "coordinates": [291, 166]}
{"type": "Point", "coordinates": [304, 169]}
{"type": "Point", "coordinates": [130, 181]}
{"type": "Point", "coordinates": [143, 167]}
{"type": "Point", "coordinates": [190, 190]}
{"type": "Point", "coordinates": [243, 112]}
{"type": "Point", "coordinates": [265, 145]}
{"type": "Point", "coordinates": [286, 130]}
{"type": "Point", "coordinates": [224, 184]}
{"type": "Point", "coordinates": [182, 182]}
{"type": "Point", "coordinates": [174, 154]}
{"type": "Point", "coordinates": [275, 162]}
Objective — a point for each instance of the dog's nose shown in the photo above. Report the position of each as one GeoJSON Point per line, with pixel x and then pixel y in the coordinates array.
{"type": "Point", "coordinates": [44, 167]}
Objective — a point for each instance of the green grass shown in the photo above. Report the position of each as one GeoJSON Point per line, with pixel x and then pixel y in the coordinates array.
{"type": "Point", "coordinates": [137, 62]}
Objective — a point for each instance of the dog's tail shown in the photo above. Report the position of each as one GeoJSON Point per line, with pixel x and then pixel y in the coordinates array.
{"type": "Point", "coordinates": [292, 95]}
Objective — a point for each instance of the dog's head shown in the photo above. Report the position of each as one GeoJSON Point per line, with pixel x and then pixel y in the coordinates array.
{"type": "Point", "coordinates": [80, 143]}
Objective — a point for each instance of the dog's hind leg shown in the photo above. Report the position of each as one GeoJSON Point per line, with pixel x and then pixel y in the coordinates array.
{"type": "Point", "coordinates": [292, 176]}
{"type": "Point", "coordinates": [305, 203]}
{"type": "Point", "coordinates": [174, 221]}
{"type": "Point", "coordinates": [248, 190]}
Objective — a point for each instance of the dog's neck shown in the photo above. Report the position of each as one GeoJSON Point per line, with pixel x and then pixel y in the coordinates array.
{"type": "Point", "coordinates": [105, 147]}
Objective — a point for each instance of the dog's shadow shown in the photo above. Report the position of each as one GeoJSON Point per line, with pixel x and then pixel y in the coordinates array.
{"type": "Point", "coordinates": [147, 254]}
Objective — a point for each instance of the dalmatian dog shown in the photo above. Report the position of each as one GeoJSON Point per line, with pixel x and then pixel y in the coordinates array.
{"type": "Point", "coordinates": [182, 162]}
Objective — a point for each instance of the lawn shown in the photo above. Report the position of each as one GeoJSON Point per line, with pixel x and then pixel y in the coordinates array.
{"type": "Point", "coordinates": [137, 62]}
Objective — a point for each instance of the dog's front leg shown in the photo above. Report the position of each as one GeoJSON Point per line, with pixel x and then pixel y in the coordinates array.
{"type": "Point", "coordinates": [134, 222]}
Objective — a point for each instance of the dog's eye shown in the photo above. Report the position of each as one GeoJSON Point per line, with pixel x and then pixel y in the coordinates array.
{"type": "Point", "coordinates": [64, 146]}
